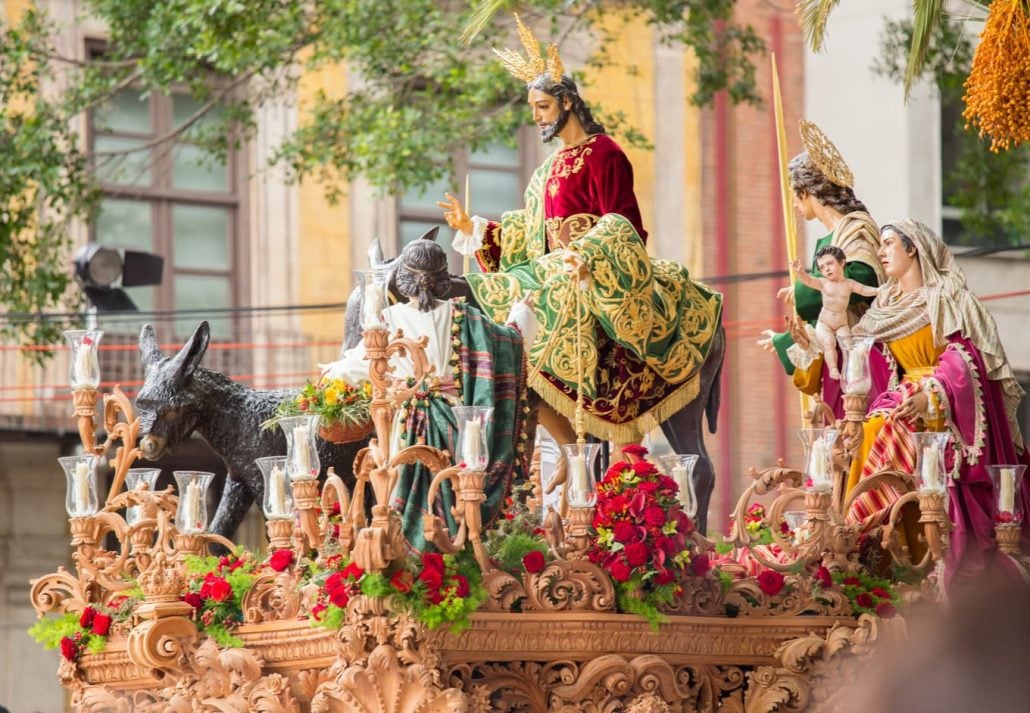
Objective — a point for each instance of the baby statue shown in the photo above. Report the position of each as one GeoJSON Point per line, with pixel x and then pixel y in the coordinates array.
{"type": "Point", "coordinates": [837, 290]}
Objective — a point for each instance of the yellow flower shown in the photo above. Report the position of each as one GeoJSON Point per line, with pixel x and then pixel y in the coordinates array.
{"type": "Point", "coordinates": [331, 396]}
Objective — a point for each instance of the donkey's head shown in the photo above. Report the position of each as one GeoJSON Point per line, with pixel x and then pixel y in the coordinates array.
{"type": "Point", "coordinates": [169, 403]}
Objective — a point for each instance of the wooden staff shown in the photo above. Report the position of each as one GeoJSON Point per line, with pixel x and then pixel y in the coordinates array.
{"type": "Point", "coordinates": [468, 212]}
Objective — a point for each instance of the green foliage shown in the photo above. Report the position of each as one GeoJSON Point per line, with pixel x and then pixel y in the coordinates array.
{"type": "Point", "coordinates": [633, 599]}
{"type": "Point", "coordinates": [509, 551]}
{"type": "Point", "coordinates": [49, 631]}
{"type": "Point", "coordinates": [990, 189]}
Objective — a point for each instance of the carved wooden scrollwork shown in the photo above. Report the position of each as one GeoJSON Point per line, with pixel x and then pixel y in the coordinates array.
{"type": "Point", "coordinates": [573, 585]}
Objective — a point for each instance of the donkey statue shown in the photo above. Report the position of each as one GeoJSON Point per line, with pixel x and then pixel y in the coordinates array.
{"type": "Point", "coordinates": [179, 396]}
{"type": "Point", "coordinates": [683, 429]}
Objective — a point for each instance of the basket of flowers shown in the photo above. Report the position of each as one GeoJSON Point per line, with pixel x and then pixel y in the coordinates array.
{"type": "Point", "coordinates": [343, 408]}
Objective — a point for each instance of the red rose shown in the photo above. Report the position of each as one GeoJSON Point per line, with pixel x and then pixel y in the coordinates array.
{"type": "Point", "coordinates": [432, 577]}
{"type": "Point", "coordinates": [770, 582]}
{"type": "Point", "coordinates": [648, 487]}
{"type": "Point", "coordinates": [700, 564]}
{"type": "Point", "coordinates": [822, 576]}
{"type": "Point", "coordinates": [636, 554]}
{"type": "Point", "coordinates": [333, 561]}
{"type": "Point", "coordinates": [667, 483]}
{"type": "Point", "coordinates": [852, 582]}
{"type": "Point", "coordinates": [335, 510]}
{"type": "Point", "coordinates": [642, 467]}
{"type": "Point", "coordinates": [881, 593]}
{"type": "Point", "coordinates": [619, 571]}
{"type": "Point", "coordinates": [215, 588]}
{"type": "Point", "coordinates": [534, 562]}
{"type": "Point", "coordinates": [615, 471]}
{"type": "Point", "coordinates": [339, 596]}
{"type": "Point", "coordinates": [432, 560]}
{"type": "Point", "coordinates": [194, 600]}
{"type": "Point", "coordinates": [402, 581]}
{"type": "Point", "coordinates": [617, 504]}
{"type": "Point", "coordinates": [667, 544]}
{"type": "Point", "coordinates": [885, 610]}
{"type": "Point", "coordinates": [101, 624]}
{"type": "Point", "coordinates": [69, 649]}
{"type": "Point", "coordinates": [461, 585]}
{"type": "Point", "coordinates": [624, 532]}
{"type": "Point", "coordinates": [352, 572]}
{"type": "Point", "coordinates": [864, 600]}
{"type": "Point", "coordinates": [664, 576]}
{"type": "Point", "coordinates": [281, 560]}
{"type": "Point", "coordinates": [86, 618]}
{"type": "Point", "coordinates": [654, 516]}
{"type": "Point", "coordinates": [316, 611]}
{"type": "Point", "coordinates": [335, 581]}
{"type": "Point", "coordinates": [634, 450]}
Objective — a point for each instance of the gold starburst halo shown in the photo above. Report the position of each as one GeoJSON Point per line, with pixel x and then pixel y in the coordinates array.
{"type": "Point", "coordinates": [528, 68]}
{"type": "Point", "coordinates": [825, 155]}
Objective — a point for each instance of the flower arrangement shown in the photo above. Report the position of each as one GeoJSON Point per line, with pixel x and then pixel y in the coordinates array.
{"type": "Point", "coordinates": [517, 535]}
{"type": "Point", "coordinates": [215, 590]}
{"type": "Point", "coordinates": [867, 594]}
{"type": "Point", "coordinates": [440, 589]}
{"type": "Point", "coordinates": [641, 535]}
{"type": "Point", "coordinates": [344, 409]}
{"type": "Point", "coordinates": [87, 630]}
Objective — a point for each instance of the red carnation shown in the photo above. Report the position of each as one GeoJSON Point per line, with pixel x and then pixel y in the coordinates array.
{"type": "Point", "coordinates": [615, 471]}
{"type": "Point", "coordinates": [69, 649]}
{"type": "Point", "coordinates": [335, 581]}
{"type": "Point", "coordinates": [667, 544]}
{"type": "Point", "coordinates": [634, 450]}
{"type": "Point", "coordinates": [617, 504]}
{"type": "Point", "coordinates": [316, 611]}
{"type": "Point", "coordinates": [402, 581]}
{"type": "Point", "coordinates": [852, 581]}
{"type": "Point", "coordinates": [461, 585]}
{"type": "Point", "coordinates": [353, 572]}
{"type": "Point", "coordinates": [648, 487]}
{"type": "Point", "coordinates": [822, 575]}
{"type": "Point", "coordinates": [636, 554]}
{"type": "Point", "coordinates": [864, 600]}
{"type": "Point", "coordinates": [624, 532]}
{"type": "Point", "coordinates": [339, 596]}
{"type": "Point", "coordinates": [667, 483]}
{"type": "Point", "coordinates": [654, 516]}
{"type": "Point", "coordinates": [885, 610]}
{"type": "Point", "coordinates": [619, 571]}
{"type": "Point", "coordinates": [281, 560]}
{"type": "Point", "coordinates": [432, 577]}
{"type": "Point", "coordinates": [101, 624]}
{"type": "Point", "coordinates": [642, 467]}
{"type": "Point", "coordinates": [215, 588]}
{"type": "Point", "coordinates": [194, 600]}
{"type": "Point", "coordinates": [534, 562]}
{"type": "Point", "coordinates": [701, 565]}
{"type": "Point", "coordinates": [86, 618]}
{"type": "Point", "coordinates": [770, 582]}
{"type": "Point", "coordinates": [432, 560]}
{"type": "Point", "coordinates": [881, 593]}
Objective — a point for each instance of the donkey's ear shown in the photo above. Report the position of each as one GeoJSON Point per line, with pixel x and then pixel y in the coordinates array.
{"type": "Point", "coordinates": [188, 359]}
{"type": "Point", "coordinates": [149, 351]}
{"type": "Point", "coordinates": [431, 233]}
{"type": "Point", "coordinates": [375, 253]}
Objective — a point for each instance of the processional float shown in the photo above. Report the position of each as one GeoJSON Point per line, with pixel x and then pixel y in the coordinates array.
{"type": "Point", "coordinates": [548, 637]}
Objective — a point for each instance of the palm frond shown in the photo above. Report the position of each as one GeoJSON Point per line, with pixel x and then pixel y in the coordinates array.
{"type": "Point", "coordinates": [483, 12]}
{"type": "Point", "coordinates": [927, 17]}
{"type": "Point", "coordinates": [813, 15]}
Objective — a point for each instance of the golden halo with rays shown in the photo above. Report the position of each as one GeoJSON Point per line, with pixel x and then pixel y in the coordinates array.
{"type": "Point", "coordinates": [825, 155]}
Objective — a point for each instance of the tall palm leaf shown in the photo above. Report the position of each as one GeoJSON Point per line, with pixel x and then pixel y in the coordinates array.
{"type": "Point", "coordinates": [481, 16]}
{"type": "Point", "coordinates": [927, 15]}
{"type": "Point", "coordinates": [813, 14]}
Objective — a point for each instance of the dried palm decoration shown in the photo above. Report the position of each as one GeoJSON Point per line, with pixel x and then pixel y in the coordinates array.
{"type": "Point", "coordinates": [998, 87]}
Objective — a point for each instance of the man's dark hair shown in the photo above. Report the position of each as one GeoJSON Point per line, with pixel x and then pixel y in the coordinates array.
{"type": "Point", "coordinates": [831, 250]}
{"type": "Point", "coordinates": [422, 273]}
{"type": "Point", "coordinates": [567, 89]}
{"type": "Point", "coordinates": [807, 180]}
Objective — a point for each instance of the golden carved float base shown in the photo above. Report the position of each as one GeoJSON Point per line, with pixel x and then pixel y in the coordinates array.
{"type": "Point", "coordinates": [503, 662]}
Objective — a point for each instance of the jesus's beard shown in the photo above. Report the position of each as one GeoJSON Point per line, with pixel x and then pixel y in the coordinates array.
{"type": "Point", "coordinates": [549, 131]}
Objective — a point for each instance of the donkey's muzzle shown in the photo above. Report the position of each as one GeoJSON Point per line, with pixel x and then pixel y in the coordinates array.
{"type": "Point", "coordinates": [151, 447]}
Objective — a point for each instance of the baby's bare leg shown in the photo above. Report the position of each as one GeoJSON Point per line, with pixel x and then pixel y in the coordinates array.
{"type": "Point", "coordinates": [828, 340]}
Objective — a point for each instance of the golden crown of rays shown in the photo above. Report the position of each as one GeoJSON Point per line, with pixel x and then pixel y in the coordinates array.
{"type": "Point", "coordinates": [534, 64]}
{"type": "Point", "coordinates": [825, 155]}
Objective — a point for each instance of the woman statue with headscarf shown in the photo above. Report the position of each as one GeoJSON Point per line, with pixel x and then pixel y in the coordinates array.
{"type": "Point", "coordinates": [940, 362]}
{"type": "Point", "coordinates": [476, 362]}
